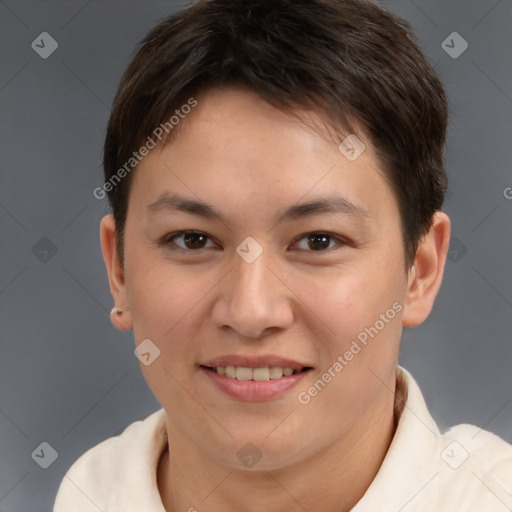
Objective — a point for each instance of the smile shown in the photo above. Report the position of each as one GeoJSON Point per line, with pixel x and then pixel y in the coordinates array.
{"type": "Point", "coordinates": [247, 384]}
{"type": "Point", "coordinates": [256, 374]}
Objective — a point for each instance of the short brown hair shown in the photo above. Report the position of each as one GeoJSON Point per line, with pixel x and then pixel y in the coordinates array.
{"type": "Point", "coordinates": [349, 59]}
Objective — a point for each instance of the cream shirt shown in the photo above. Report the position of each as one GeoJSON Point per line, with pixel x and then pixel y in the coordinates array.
{"type": "Point", "coordinates": [466, 469]}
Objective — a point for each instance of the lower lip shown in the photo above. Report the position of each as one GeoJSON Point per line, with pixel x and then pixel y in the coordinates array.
{"type": "Point", "coordinates": [251, 390]}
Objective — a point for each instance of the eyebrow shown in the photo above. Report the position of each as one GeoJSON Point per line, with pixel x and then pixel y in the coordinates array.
{"type": "Point", "coordinates": [324, 204]}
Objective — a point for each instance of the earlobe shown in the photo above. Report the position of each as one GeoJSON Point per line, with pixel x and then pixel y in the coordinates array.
{"type": "Point", "coordinates": [426, 274]}
{"type": "Point", "coordinates": [120, 314]}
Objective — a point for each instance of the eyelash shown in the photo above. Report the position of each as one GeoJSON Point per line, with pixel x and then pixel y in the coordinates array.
{"type": "Point", "coordinates": [169, 239]}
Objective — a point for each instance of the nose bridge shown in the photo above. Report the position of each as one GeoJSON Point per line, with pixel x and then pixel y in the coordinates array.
{"type": "Point", "coordinates": [251, 287]}
{"type": "Point", "coordinates": [250, 262]}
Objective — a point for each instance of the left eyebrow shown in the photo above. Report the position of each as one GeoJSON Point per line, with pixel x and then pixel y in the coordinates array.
{"type": "Point", "coordinates": [328, 204]}
{"type": "Point", "coordinates": [317, 206]}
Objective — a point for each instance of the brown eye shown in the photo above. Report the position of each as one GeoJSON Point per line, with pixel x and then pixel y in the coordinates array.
{"type": "Point", "coordinates": [191, 240]}
{"type": "Point", "coordinates": [195, 240]}
{"type": "Point", "coordinates": [319, 242]}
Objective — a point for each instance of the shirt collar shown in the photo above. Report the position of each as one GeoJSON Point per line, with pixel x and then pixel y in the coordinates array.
{"type": "Point", "coordinates": [406, 464]}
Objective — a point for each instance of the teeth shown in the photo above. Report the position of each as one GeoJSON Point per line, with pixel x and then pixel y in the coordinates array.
{"type": "Point", "coordinates": [243, 373]}
{"type": "Point", "coordinates": [276, 372]}
{"type": "Point", "coordinates": [261, 374]}
{"type": "Point", "coordinates": [257, 374]}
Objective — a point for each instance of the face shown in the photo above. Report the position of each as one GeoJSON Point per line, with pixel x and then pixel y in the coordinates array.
{"type": "Point", "coordinates": [264, 281]}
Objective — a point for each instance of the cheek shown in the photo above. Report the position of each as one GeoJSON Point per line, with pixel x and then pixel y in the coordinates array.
{"type": "Point", "coordinates": [361, 312]}
{"type": "Point", "coordinates": [165, 301]}
{"type": "Point", "coordinates": [346, 301]}
{"type": "Point", "coordinates": [168, 307]}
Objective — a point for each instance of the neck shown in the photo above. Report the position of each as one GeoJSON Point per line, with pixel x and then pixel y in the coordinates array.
{"type": "Point", "coordinates": [334, 479]}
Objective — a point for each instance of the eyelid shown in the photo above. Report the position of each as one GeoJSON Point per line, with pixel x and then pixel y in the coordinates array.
{"type": "Point", "coordinates": [168, 239]}
{"type": "Point", "coordinates": [341, 241]}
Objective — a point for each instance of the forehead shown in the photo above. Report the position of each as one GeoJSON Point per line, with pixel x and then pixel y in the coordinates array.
{"type": "Point", "coordinates": [237, 152]}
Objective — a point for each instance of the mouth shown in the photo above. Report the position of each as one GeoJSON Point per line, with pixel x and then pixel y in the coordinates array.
{"type": "Point", "coordinates": [259, 374]}
{"type": "Point", "coordinates": [254, 379]}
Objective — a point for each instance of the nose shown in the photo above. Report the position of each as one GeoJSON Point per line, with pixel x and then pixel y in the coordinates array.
{"type": "Point", "coordinates": [253, 300]}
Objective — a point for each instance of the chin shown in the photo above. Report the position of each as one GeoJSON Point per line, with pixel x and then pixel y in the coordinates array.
{"type": "Point", "coordinates": [263, 453]}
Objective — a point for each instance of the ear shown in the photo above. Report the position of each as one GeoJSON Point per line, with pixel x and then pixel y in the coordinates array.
{"type": "Point", "coordinates": [115, 272]}
{"type": "Point", "coordinates": [426, 274]}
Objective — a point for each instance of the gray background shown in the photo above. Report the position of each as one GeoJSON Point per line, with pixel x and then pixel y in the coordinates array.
{"type": "Point", "coordinates": [67, 376]}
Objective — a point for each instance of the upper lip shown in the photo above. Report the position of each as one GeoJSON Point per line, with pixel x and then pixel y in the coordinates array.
{"type": "Point", "coordinates": [246, 361]}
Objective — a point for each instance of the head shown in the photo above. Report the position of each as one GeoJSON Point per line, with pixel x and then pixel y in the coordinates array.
{"type": "Point", "coordinates": [230, 118]}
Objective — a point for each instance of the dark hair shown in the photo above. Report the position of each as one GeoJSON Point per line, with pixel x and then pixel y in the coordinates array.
{"type": "Point", "coordinates": [348, 59]}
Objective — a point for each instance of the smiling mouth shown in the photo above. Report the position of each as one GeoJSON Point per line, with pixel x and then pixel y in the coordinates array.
{"type": "Point", "coordinates": [256, 374]}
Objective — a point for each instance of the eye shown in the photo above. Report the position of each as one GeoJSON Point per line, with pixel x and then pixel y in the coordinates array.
{"type": "Point", "coordinates": [319, 241]}
{"type": "Point", "coordinates": [192, 240]}
{"type": "Point", "coordinates": [196, 240]}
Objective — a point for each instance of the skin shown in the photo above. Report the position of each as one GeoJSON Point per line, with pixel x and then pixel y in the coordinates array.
{"type": "Point", "coordinates": [250, 162]}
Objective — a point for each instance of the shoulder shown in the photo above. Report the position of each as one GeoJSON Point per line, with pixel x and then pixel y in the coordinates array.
{"type": "Point", "coordinates": [465, 468]}
{"type": "Point", "coordinates": [92, 479]}
{"type": "Point", "coordinates": [479, 460]}
{"type": "Point", "coordinates": [474, 470]}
